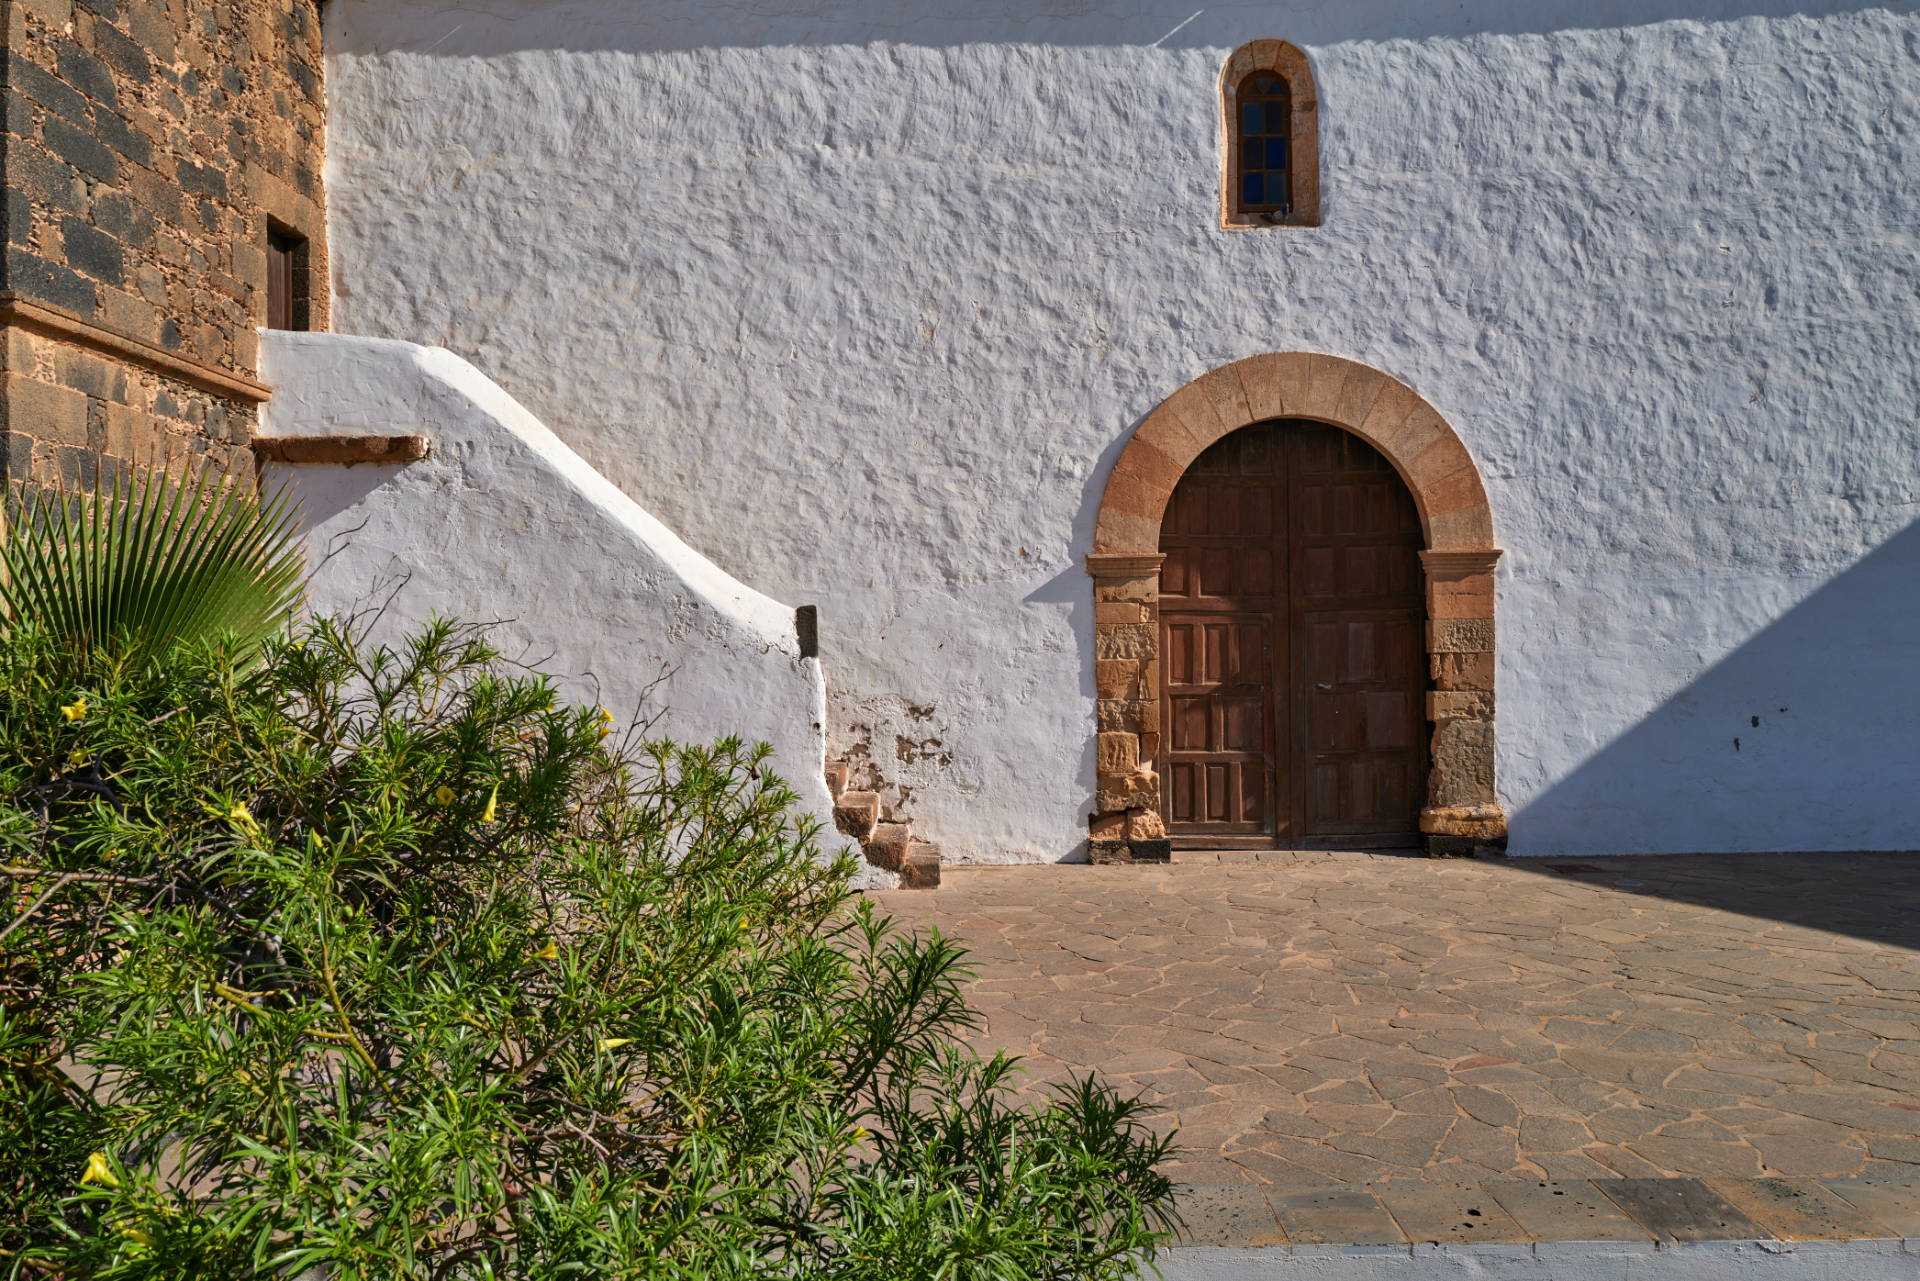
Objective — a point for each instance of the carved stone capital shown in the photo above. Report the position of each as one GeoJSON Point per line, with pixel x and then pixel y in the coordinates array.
{"type": "Point", "coordinates": [1449, 565]}
{"type": "Point", "coordinates": [1124, 564]}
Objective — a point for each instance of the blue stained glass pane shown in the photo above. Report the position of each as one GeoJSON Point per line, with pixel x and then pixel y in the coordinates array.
{"type": "Point", "coordinates": [1251, 154]}
{"type": "Point", "coordinates": [1250, 189]}
{"type": "Point", "coordinates": [1250, 117]}
{"type": "Point", "coordinates": [1276, 153]}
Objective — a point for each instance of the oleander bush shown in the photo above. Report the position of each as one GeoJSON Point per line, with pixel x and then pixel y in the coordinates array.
{"type": "Point", "coordinates": [325, 959]}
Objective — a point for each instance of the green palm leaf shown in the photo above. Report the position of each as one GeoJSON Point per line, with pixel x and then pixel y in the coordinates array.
{"type": "Point", "coordinates": [153, 562]}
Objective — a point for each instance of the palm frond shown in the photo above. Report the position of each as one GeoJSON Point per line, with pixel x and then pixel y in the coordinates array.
{"type": "Point", "coordinates": [153, 562]}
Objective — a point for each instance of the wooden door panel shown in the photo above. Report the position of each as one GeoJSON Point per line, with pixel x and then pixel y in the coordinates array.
{"type": "Point", "coordinates": [1362, 748]}
{"type": "Point", "coordinates": [1291, 659]}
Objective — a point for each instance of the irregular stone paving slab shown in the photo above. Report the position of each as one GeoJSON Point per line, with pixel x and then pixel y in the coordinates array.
{"type": "Point", "coordinates": [1893, 1203]}
{"type": "Point", "coordinates": [1448, 1214]}
{"type": "Point", "coordinates": [1354, 1018]}
{"type": "Point", "coordinates": [1567, 1210]}
{"type": "Point", "coordinates": [1228, 1216]}
{"type": "Point", "coordinates": [1799, 1210]}
{"type": "Point", "coordinates": [1683, 1210]}
{"type": "Point", "coordinates": [1336, 1216]}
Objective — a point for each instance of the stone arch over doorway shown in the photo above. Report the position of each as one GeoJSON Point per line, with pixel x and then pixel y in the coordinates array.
{"type": "Point", "coordinates": [1462, 811]}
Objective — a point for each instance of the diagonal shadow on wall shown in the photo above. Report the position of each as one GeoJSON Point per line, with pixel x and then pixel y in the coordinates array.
{"type": "Point", "coordinates": [1805, 738]}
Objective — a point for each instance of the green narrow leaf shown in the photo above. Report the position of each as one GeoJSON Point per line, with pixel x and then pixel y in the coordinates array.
{"type": "Point", "coordinates": [152, 562]}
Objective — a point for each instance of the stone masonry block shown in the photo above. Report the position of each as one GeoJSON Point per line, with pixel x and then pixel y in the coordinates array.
{"type": "Point", "coordinates": [32, 276]}
{"type": "Point", "coordinates": [1118, 753]}
{"type": "Point", "coordinates": [1358, 393]}
{"type": "Point", "coordinates": [1127, 679]}
{"type": "Point", "coordinates": [1151, 465]}
{"type": "Point", "coordinates": [56, 415]}
{"type": "Point", "coordinates": [1142, 588]}
{"type": "Point", "coordinates": [887, 847]}
{"type": "Point", "coordinates": [1131, 494]}
{"type": "Point", "coordinates": [1228, 396]}
{"type": "Point", "coordinates": [1107, 827]}
{"type": "Point", "coordinates": [135, 317]}
{"type": "Point", "coordinates": [1462, 773]}
{"type": "Point", "coordinates": [19, 353]}
{"type": "Point", "coordinates": [1468, 527]}
{"type": "Point", "coordinates": [1119, 611]}
{"type": "Point", "coordinates": [1459, 705]}
{"type": "Point", "coordinates": [82, 149]}
{"type": "Point", "coordinates": [1132, 715]}
{"type": "Point", "coordinates": [1470, 596]}
{"type": "Point", "coordinates": [856, 813]}
{"type": "Point", "coordinates": [1463, 671]}
{"type": "Point", "coordinates": [1125, 640]}
{"type": "Point", "coordinates": [134, 434]}
{"type": "Point", "coordinates": [921, 871]}
{"type": "Point", "coordinates": [1265, 397]}
{"type": "Point", "coordinates": [1460, 636]}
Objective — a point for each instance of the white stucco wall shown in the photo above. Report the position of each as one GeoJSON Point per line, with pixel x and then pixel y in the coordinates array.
{"type": "Point", "coordinates": [503, 524]}
{"type": "Point", "coordinates": [862, 300]}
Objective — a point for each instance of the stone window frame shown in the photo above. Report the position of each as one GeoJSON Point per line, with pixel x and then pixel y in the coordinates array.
{"type": "Point", "coordinates": [284, 210]}
{"type": "Point", "coordinates": [1463, 814]}
{"type": "Point", "coordinates": [1303, 150]}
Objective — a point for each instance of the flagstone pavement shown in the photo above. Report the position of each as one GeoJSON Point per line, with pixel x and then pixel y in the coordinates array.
{"type": "Point", "coordinates": [1315, 1019]}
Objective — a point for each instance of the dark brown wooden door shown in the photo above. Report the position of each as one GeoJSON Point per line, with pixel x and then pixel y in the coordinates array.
{"type": "Point", "coordinates": [1291, 656]}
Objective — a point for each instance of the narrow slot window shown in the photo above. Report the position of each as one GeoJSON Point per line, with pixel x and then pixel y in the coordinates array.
{"type": "Point", "coordinates": [286, 254]}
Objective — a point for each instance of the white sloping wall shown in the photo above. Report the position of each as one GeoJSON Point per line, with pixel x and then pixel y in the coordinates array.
{"type": "Point", "coordinates": [502, 523]}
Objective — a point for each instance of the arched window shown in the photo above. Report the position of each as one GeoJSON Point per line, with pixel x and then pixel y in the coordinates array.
{"type": "Point", "coordinates": [1270, 130]}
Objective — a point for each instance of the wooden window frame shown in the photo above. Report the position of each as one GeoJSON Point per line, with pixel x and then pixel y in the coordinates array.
{"type": "Point", "coordinates": [289, 278]}
{"type": "Point", "coordinates": [1278, 58]}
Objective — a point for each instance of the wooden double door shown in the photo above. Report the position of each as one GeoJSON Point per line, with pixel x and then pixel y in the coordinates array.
{"type": "Point", "coordinates": [1292, 656]}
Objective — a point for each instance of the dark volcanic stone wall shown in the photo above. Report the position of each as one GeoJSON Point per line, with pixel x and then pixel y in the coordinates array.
{"type": "Point", "coordinates": [150, 147]}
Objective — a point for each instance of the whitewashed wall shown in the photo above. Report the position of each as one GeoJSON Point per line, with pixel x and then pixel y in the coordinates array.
{"type": "Point", "coordinates": [503, 524]}
{"type": "Point", "coordinates": [863, 299]}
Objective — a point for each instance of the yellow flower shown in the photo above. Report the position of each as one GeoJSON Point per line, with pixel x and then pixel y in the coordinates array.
{"type": "Point", "coordinates": [859, 1133]}
{"type": "Point", "coordinates": [137, 1234]}
{"type": "Point", "coordinates": [493, 799]}
{"type": "Point", "coordinates": [615, 1042]}
{"type": "Point", "coordinates": [99, 1171]}
{"type": "Point", "coordinates": [606, 722]}
{"type": "Point", "coordinates": [443, 795]}
{"type": "Point", "coordinates": [743, 923]}
{"type": "Point", "coordinates": [241, 814]}
{"type": "Point", "coordinates": [76, 710]}
{"type": "Point", "coordinates": [551, 952]}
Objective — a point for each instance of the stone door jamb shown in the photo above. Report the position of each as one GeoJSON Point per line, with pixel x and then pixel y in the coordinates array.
{"type": "Point", "coordinates": [1463, 810]}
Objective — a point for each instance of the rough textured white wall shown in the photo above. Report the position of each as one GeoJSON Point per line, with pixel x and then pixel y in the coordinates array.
{"type": "Point", "coordinates": [503, 524]}
{"type": "Point", "coordinates": [862, 299]}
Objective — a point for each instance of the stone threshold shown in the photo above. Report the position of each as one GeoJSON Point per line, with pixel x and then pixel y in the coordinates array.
{"type": "Point", "coordinates": [1405, 1217]}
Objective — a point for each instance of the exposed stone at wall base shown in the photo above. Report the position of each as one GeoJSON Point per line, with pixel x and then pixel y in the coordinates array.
{"type": "Point", "coordinates": [1109, 852]}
